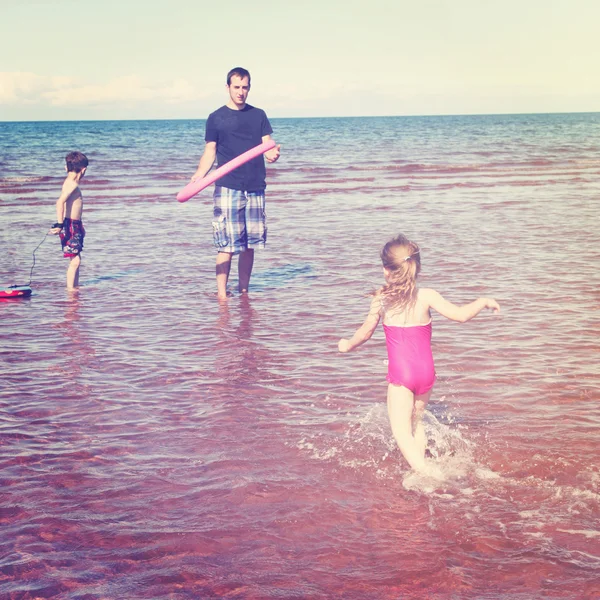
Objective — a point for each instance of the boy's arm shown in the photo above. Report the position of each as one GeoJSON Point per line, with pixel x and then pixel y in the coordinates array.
{"type": "Point", "coordinates": [206, 160]}
{"type": "Point", "coordinates": [365, 331]}
{"type": "Point", "coordinates": [451, 311]}
{"type": "Point", "coordinates": [67, 189]}
{"type": "Point", "coordinates": [273, 154]}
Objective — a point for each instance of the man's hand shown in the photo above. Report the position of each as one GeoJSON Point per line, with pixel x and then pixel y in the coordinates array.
{"type": "Point", "coordinates": [273, 154]}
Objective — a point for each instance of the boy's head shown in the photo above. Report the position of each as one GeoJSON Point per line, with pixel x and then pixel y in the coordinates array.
{"type": "Point", "coordinates": [76, 162]}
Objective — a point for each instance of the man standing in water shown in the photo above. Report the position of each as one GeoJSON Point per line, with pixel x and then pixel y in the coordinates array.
{"type": "Point", "coordinates": [239, 221]}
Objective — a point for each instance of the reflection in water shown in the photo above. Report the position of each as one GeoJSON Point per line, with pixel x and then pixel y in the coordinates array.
{"type": "Point", "coordinates": [239, 356]}
{"type": "Point", "coordinates": [76, 351]}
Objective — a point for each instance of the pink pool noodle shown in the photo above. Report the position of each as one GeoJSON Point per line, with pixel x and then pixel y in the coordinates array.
{"type": "Point", "coordinates": [192, 188]}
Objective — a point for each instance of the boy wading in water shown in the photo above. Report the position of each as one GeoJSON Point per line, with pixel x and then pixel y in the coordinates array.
{"type": "Point", "coordinates": [406, 313]}
{"type": "Point", "coordinates": [69, 209]}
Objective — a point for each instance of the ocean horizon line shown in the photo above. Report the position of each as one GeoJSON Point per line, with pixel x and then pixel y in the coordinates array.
{"type": "Point", "coordinates": [416, 116]}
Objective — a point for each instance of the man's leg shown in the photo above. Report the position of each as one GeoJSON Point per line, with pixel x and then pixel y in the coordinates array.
{"type": "Point", "coordinates": [245, 263]}
{"type": "Point", "coordinates": [256, 231]}
{"type": "Point", "coordinates": [222, 271]}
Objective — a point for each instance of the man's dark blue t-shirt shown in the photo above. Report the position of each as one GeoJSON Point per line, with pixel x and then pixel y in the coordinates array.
{"type": "Point", "coordinates": [235, 132]}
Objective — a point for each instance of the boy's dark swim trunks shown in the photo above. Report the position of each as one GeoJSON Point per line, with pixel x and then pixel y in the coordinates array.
{"type": "Point", "coordinates": [71, 237]}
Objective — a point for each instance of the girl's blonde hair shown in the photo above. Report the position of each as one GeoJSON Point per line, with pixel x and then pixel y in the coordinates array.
{"type": "Point", "coordinates": [402, 259]}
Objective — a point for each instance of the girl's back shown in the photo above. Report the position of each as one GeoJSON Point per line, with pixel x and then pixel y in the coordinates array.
{"type": "Point", "coordinates": [419, 314]}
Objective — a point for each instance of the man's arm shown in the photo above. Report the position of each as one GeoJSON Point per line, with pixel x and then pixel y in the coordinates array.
{"type": "Point", "coordinates": [207, 160]}
{"type": "Point", "coordinates": [273, 154]}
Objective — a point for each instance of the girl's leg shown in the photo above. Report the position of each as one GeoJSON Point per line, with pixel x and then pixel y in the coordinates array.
{"type": "Point", "coordinates": [418, 429]}
{"type": "Point", "coordinates": [73, 273]}
{"type": "Point", "coordinates": [401, 405]}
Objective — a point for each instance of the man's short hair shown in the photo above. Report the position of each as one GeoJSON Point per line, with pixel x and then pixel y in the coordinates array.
{"type": "Point", "coordinates": [76, 161]}
{"type": "Point", "coordinates": [240, 72]}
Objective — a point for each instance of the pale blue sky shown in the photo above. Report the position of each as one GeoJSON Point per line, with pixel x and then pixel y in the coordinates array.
{"type": "Point", "coordinates": [66, 59]}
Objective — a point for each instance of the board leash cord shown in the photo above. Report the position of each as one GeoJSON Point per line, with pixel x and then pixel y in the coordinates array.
{"type": "Point", "coordinates": [14, 291]}
{"type": "Point", "coordinates": [33, 255]}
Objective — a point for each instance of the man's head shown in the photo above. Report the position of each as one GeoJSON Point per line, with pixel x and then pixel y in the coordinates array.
{"type": "Point", "coordinates": [238, 85]}
{"type": "Point", "coordinates": [239, 72]}
{"type": "Point", "coordinates": [76, 162]}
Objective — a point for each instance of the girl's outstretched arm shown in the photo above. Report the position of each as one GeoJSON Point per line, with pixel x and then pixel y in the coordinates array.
{"type": "Point", "coordinates": [462, 314]}
{"type": "Point", "coordinates": [365, 331]}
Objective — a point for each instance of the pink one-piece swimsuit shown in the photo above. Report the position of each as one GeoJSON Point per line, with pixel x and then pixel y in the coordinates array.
{"type": "Point", "coordinates": [410, 361]}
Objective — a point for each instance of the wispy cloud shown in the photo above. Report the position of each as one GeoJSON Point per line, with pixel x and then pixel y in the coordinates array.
{"type": "Point", "coordinates": [31, 88]}
{"type": "Point", "coordinates": [17, 87]}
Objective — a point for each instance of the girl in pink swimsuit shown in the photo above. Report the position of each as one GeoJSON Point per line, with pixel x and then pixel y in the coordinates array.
{"type": "Point", "coordinates": [406, 313]}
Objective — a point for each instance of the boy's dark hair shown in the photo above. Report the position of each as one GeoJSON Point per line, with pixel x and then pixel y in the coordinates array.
{"type": "Point", "coordinates": [240, 72]}
{"type": "Point", "coordinates": [76, 161]}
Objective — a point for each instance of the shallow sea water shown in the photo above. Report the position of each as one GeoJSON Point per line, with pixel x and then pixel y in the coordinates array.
{"type": "Point", "coordinates": [157, 444]}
